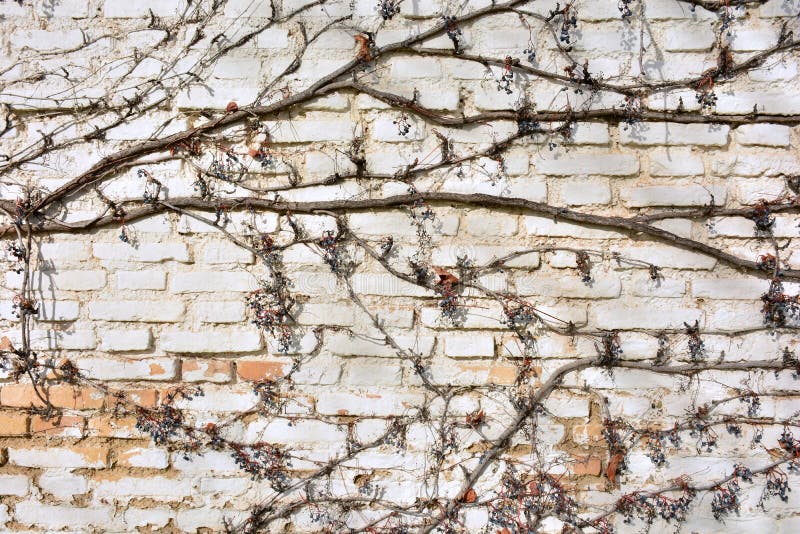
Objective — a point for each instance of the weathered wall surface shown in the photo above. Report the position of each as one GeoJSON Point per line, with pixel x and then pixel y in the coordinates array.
{"type": "Point", "coordinates": [170, 305]}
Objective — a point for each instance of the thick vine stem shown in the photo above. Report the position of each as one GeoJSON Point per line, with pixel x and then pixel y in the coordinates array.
{"type": "Point", "coordinates": [631, 226]}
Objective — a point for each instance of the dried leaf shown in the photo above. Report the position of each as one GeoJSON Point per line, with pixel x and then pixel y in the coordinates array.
{"type": "Point", "coordinates": [613, 465]}
{"type": "Point", "coordinates": [6, 345]}
{"type": "Point", "coordinates": [363, 47]}
{"type": "Point", "coordinates": [445, 278]}
{"type": "Point", "coordinates": [470, 496]}
{"type": "Point", "coordinates": [475, 419]}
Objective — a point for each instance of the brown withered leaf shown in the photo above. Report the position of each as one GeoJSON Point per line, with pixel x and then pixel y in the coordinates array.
{"type": "Point", "coordinates": [613, 465]}
{"type": "Point", "coordinates": [6, 345]}
{"type": "Point", "coordinates": [363, 47]}
{"type": "Point", "coordinates": [445, 278]}
{"type": "Point", "coordinates": [475, 419]}
{"type": "Point", "coordinates": [470, 496]}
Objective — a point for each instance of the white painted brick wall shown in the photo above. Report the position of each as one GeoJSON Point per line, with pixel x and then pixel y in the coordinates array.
{"type": "Point", "coordinates": [170, 308]}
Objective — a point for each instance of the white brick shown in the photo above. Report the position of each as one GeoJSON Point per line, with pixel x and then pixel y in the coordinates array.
{"type": "Point", "coordinates": [205, 370]}
{"type": "Point", "coordinates": [156, 280]}
{"type": "Point", "coordinates": [124, 340]}
{"type": "Point", "coordinates": [47, 40]}
{"type": "Point", "coordinates": [667, 195]}
{"type": "Point", "coordinates": [149, 369]}
{"type": "Point", "coordinates": [784, 226]}
{"type": "Point", "coordinates": [227, 486]}
{"type": "Point", "coordinates": [735, 317]}
{"type": "Point", "coordinates": [675, 162]}
{"type": "Point", "coordinates": [773, 72]}
{"type": "Point", "coordinates": [291, 432]}
{"type": "Point", "coordinates": [667, 133]}
{"type": "Point", "coordinates": [386, 284]}
{"type": "Point", "coordinates": [156, 224]}
{"type": "Point", "coordinates": [226, 252]}
{"type": "Point", "coordinates": [487, 223]}
{"type": "Point", "coordinates": [16, 485]}
{"type": "Point", "coordinates": [405, 68]}
{"type": "Point", "coordinates": [603, 41]}
{"type": "Point", "coordinates": [151, 252]}
{"type": "Point", "coordinates": [567, 406]}
{"type": "Point", "coordinates": [48, 281]}
{"type": "Point", "coordinates": [447, 256]}
{"type": "Point", "coordinates": [779, 103]}
{"type": "Point", "coordinates": [469, 346]}
{"type": "Point", "coordinates": [273, 38]}
{"type": "Point", "coordinates": [143, 127]}
{"type": "Point", "coordinates": [64, 251]}
{"type": "Point", "coordinates": [13, 9]}
{"type": "Point", "coordinates": [671, 257]}
{"type": "Point", "coordinates": [677, 10]}
{"type": "Point", "coordinates": [764, 134]}
{"type": "Point", "coordinates": [54, 457]}
{"type": "Point", "coordinates": [63, 339]}
{"type": "Point", "coordinates": [147, 311]}
{"type": "Point", "coordinates": [211, 342]}
{"type": "Point", "coordinates": [338, 314]}
{"type": "Point", "coordinates": [376, 404]}
{"type": "Point", "coordinates": [147, 457]}
{"type": "Point", "coordinates": [602, 286]}
{"type": "Point", "coordinates": [233, 68]}
{"type": "Point", "coordinates": [75, 9]}
{"type": "Point", "coordinates": [626, 379]}
{"type": "Point", "coordinates": [750, 191]}
{"type": "Point", "coordinates": [60, 517]}
{"type": "Point", "coordinates": [246, 9]}
{"type": "Point", "coordinates": [59, 310]}
{"type": "Point", "coordinates": [159, 488]}
{"type": "Point", "coordinates": [345, 345]}
{"type": "Point", "coordinates": [563, 259]}
{"type": "Point", "coordinates": [778, 8]}
{"type": "Point", "coordinates": [730, 288]}
{"type": "Point", "coordinates": [207, 462]}
{"type": "Point", "coordinates": [388, 130]}
{"type": "Point", "coordinates": [204, 282]}
{"type": "Point", "coordinates": [152, 516]}
{"type": "Point", "coordinates": [366, 372]}
{"type": "Point", "coordinates": [689, 39]}
{"type": "Point", "coordinates": [397, 223]}
{"type": "Point", "coordinates": [744, 164]}
{"type": "Point", "coordinates": [142, 8]}
{"type": "Point", "coordinates": [62, 485]}
{"type": "Point", "coordinates": [312, 131]}
{"type": "Point", "coordinates": [588, 164]}
{"type": "Point", "coordinates": [210, 519]}
{"type": "Point", "coordinates": [548, 227]}
{"type": "Point", "coordinates": [623, 316]}
{"type": "Point", "coordinates": [205, 97]}
{"type": "Point", "coordinates": [585, 192]}
{"type": "Point", "coordinates": [220, 311]}
{"type": "Point", "coordinates": [220, 399]}
{"type": "Point", "coordinates": [750, 40]}
{"type": "Point", "coordinates": [665, 288]}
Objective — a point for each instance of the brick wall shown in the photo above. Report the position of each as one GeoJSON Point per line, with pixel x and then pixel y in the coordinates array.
{"type": "Point", "coordinates": [169, 307]}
